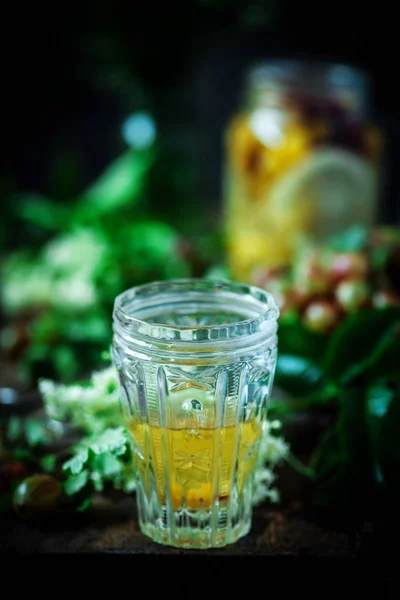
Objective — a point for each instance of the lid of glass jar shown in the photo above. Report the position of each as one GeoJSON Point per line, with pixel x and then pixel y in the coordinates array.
{"type": "Point", "coordinates": [311, 77]}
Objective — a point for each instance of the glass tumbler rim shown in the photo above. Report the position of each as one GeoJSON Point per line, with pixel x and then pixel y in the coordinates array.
{"type": "Point", "coordinates": [132, 307]}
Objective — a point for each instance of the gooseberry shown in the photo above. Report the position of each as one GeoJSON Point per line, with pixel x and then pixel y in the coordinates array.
{"type": "Point", "coordinates": [351, 294]}
{"type": "Point", "coordinates": [321, 315]}
{"type": "Point", "coordinates": [37, 494]}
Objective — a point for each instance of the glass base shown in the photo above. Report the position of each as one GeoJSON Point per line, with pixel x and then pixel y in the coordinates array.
{"type": "Point", "coordinates": [215, 527]}
{"type": "Point", "coordinates": [195, 538]}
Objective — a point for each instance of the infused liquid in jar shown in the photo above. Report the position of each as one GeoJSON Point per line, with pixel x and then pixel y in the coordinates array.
{"type": "Point", "coordinates": [302, 163]}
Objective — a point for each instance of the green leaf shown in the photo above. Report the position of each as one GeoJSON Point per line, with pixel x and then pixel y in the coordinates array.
{"type": "Point", "coordinates": [107, 464]}
{"type": "Point", "coordinates": [328, 455]}
{"type": "Point", "coordinates": [112, 440]}
{"type": "Point", "coordinates": [148, 245]}
{"type": "Point", "coordinates": [297, 375]}
{"type": "Point", "coordinates": [88, 327]}
{"type": "Point", "coordinates": [352, 240]}
{"type": "Point", "coordinates": [84, 505]}
{"type": "Point", "coordinates": [36, 433]}
{"type": "Point", "coordinates": [387, 446]}
{"type": "Point", "coordinates": [46, 327]}
{"type": "Point", "coordinates": [48, 462]}
{"type": "Point", "coordinates": [42, 212]}
{"type": "Point", "coordinates": [356, 339]}
{"type": "Point", "coordinates": [65, 362]}
{"type": "Point", "coordinates": [23, 454]}
{"type": "Point", "coordinates": [36, 352]}
{"type": "Point", "coordinates": [342, 464]}
{"type": "Point", "coordinates": [106, 355]}
{"type": "Point", "coordinates": [14, 429]}
{"type": "Point", "coordinates": [379, 399]}
{"type": "Point", "coordinates": [97, 480]}
{"type": "Point", "coordinates": [330, 473]}
{"type": "Point", "coordinates": [296, 339]}
{"type": "Point", "coordinates": [121, 184]}
{"type": "Point", "coordinates": [76, 463]}
{"type": "Point", "coordinates": [353, 431]}
{"type": "Point", "coordinates": [379, 257]}
{"type": "Point", "coordinates": [384, 360]}
{"type": "Point", "coordinates": [75, 483]}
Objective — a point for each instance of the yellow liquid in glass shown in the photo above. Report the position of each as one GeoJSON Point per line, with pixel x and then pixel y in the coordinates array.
{"type": "Point", "coordinates": [196, 466]}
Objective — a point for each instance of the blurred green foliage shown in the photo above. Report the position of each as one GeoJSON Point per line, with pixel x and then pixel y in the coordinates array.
{"type": "Point", "coordinates": [357, 464]}
{"type": "Point", "coordinates": [78, 255]}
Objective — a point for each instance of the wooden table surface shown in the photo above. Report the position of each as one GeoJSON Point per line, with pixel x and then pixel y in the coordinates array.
{"type": "Point", "coordinates": [288, 529]}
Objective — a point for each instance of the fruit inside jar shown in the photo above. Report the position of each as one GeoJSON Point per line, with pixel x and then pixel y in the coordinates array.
{"type": "Point", "coordinates": [302, 163]}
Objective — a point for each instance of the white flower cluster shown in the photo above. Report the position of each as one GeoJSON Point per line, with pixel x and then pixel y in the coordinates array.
{"type": "Point", "coordinates": [61, 276]}
{"type": "Point", "coordinates": [95, 407]}
{"type": "Point", "coordinates": [92, 407]}
{"type": "Point", "coordinates": [274, 449]}
{"type": "Point", "coordinates": [24, 283]}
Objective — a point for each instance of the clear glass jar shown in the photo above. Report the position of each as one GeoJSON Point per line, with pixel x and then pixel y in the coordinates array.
{"type": "Point", "coordinates": [302, 162]}
{"type": "Point", "coordinates": [195, 362]}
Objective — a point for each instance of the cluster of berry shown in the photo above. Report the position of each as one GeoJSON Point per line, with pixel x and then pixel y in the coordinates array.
{"type": "Point", "coordinates": [324, 285]}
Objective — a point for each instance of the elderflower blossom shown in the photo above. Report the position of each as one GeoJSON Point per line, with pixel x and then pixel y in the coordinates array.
{"type": "Point", "coordinates": [81, 251]}
{"type": "Point", "coordinates": [106, 379]}
{"type": "Point", "coordinates": [62, 275]}
{"type": "Point", "coordinates": [24, 284]}
{"type": "Point", "coordinates": [76, 291]}
{"type": "Point", "coordinates": [90, 407]}
{"type": "Point", "coordinates": [273, 450]}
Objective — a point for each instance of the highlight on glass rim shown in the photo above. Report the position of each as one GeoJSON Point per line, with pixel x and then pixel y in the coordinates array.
{"type": "Point", "coordinates": [200, 284]}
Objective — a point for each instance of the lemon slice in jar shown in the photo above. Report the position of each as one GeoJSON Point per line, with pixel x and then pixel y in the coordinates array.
{"type": "Point", "coordinates": [327, 192]}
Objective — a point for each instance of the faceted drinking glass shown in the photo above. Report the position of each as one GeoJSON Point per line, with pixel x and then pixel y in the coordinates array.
{"type": "Point", "coordinates": [195, 361]}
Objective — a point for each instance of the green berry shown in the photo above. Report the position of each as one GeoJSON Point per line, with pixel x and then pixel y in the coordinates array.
{"type": "Point", "coordinates": [321, 316]}
{"type": "Point", "coordinates": [352, 294]}
{"type": "Point", "coordinates": [385, 298]}
{"type": "Point", "coordinates": [37, 494]}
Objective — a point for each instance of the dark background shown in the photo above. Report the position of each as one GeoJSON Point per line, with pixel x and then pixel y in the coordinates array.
{"type": "Point", "coordinates": [72, 73]}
